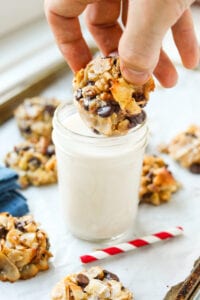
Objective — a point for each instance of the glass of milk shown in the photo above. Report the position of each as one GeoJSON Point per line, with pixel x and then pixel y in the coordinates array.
{"type": "Point", "coordinates": [98, 177]}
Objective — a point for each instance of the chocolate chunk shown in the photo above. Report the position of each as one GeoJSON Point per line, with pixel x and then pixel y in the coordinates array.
{"type": "Point", "coordinates": [110, 275]}
{"type": "Point", "coordinates": [138, 97]}
{"type": "Point", "coordinates": [105, 111]}
{"type": "Point", "coordinates": [95, 131]}
{"type": "Point", "coordinates": [34, 161]}
{"type": "Point", "coordinates": [137, 119]}
{"type": "Point", "coordinates": [78, 94]}
{"type": "Point", "coordinates": [50, 150]}
{"type": "Point", "coordinates": [47, 244]}
{"type": "Point", "coordinates": [20, 226]}
{"type": "Point", "coordinates": [82, 280]}
{"type": "Point", "coordinates": [195, 168]}
{"type": "Point", "coordinates": [150, 176]}
{"type": "Point", "coordinates": [49, 109]}
{"type": "Point", "coordinates": [86, 103]}
{"type": "Point", "coordinates": [3, 232]}
{"type": "Point", "coordinates": [91, 82]}
{"type": "Point", "coordinates": [141, 117]}
{"type": "Point", "coordinates": [190, 134]}
{"type": "Point", "coordinates": [146, 197]}
{"type": "Point", "coordinates": [26, 129]}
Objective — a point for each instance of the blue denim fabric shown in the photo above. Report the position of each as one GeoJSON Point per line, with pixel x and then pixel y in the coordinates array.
{"type": "Point", "coordinates": [10, 199]}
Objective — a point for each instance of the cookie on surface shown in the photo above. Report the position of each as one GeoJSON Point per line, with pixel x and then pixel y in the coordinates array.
{"type": "Point", "coordinates": [94, 283]}
{"type": "Point", "coordinates": [185, 149]}
{"type": "Point", "coordinates": [34, 117]}
{"type": "Point", "coordinates": [34, 162]}
{"type": "Point", "coordinates": [106, 101]}
{"type": "Point", "coordinates": [157, 182]}
{"type": "Point", "coordinates": [24, 248]}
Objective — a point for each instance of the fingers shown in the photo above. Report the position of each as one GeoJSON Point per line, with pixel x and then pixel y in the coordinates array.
{"type": "Point", "coordinates": [62, 16]}
{"type": "Point", "coordinates": [124, 11]}
{"type": "Point", "coordinates": [165, 71]}
{"type": "Point", "coordinates": [186, 41]}
{"type": "Point", "coordinates": [140, 45]}
{"type": "Point", "coordinates": [101, 19]}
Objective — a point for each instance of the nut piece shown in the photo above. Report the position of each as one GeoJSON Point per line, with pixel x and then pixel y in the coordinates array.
{"type": "Point", "coordinates": [106, 101]}
{"type": "Point", "coordinates": [8, 271]}
{"type": "Point", "coordinates": [24, 248]}
{"type": "Point", "coordinates": [185, 149]}
{"type": "Point", "coordinates": [157, 182]}
{"type": "Point", "coordinates": [94, 283]}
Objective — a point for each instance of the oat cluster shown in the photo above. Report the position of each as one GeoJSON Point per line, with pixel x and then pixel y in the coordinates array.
{"type": "Point", "coordinates": [94, 283]}
{"type": "Point", "coordinates": [106, 101]}
{"type": "Point", "coordinates": [34, 162]}
{"type": "Point", "coordinates": [157, 181]}
{"type": "Point", "coordinates": [185, 148]}
{"type": "Point", "coordinates": [24, 248]}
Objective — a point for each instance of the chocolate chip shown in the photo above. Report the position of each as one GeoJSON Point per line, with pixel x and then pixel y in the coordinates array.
{"type": "Point", "coordinates": [150, 176]}
{"type": "Point", "coordinates": [138, 97]}
{"type": "Point", "coordinates": [110, 275]}
{"type": "Point", "coordinates": [34, 161]}
{"type": "Point", "coordinates": [90, 82]}
{"type": "Point", "coordinates": [105, 111]}
{"type": "Point", "coordinates": [137, 119]}
{"type": "Point", "coordinates": [95, 131]}
{"type": "Point", "coordinates": [49, 109]}
{"type": "Point", "coordinates": [47, 244]}
{"type": "Point", "coordinates": [50, 150]}
{"type": "Point", "coordinates": [78, 94]}
{"type": "Point", "coordinates": [82, 280]}
{"type": "Point", "coordinates": [191, 134]}
{"type": "Point", "coordinates": [3, 232]}
{"type": "Point", "coordinates": [20, 226]}
{"type": "Point", "coordinates": [195, 168]}
{"type": "Point", "coordinates": [115, 106]}
{"type": "Point", "coordinates": [26, 129]}
{"type": "Point", "coordinates": [86, 103]}
{"type": "Point", "coordinates": [115, 62]}
{"type": "Point", "coordinates": [146, 197]}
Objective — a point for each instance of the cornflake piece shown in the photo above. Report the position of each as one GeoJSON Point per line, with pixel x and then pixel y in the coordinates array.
{"type": "Point", "coordinates": [34, 117]}
{"type": "Point", "coordinates": [106, 101]}
{"type": "Point", "coordinates": [24, 248]}
{"type": "Point", "coordinates": [185, 149]}
{"type": "Point", "coordinates": [34, 162]}
{"type": "Point", "coordinates": [94, 283]}
{"type": "Point", "coordinates": [157, 182]}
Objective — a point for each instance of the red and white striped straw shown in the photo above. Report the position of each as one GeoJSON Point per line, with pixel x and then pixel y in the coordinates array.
{"type": "Point", "coordinates": [131, 245]}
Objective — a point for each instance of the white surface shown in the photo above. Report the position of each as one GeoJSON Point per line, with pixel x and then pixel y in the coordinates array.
{"type": "Point", "coordinates": [149, 271]}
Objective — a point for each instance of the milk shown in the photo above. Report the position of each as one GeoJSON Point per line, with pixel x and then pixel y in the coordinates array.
{"type": "Point", "coordinates": [98, 177]}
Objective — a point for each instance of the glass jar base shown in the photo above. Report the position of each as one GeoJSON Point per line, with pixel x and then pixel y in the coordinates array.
{"type": "Point", "coordinates": [107, 241]}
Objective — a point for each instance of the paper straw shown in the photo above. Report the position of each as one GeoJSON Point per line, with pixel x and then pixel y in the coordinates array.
{"type": "Point", "coordinates": [131, 245]}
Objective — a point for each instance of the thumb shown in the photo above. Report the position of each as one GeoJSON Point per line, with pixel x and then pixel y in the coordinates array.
{"type": "Point", "coordinates": [140, 44]}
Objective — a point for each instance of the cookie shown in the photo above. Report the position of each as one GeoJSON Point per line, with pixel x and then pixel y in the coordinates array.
{"type": "Point", "coordinates": [34, 162]}
{"type": "Point", "coordinates": [24, 248]}
{"type": "Point", "coordinates": [106, 101]}
{"type": "Point", "coordinates": [34, 117]}
{"type": "Point", "coordinates": [157, 182]}
{"type": "Point", "coordinates": [94, 283]}
{"type": "Point", "coordinates": [185, 149]}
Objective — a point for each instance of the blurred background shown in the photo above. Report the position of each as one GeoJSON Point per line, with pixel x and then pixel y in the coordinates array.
{"type": "Point", "coordinates": [29, 55]}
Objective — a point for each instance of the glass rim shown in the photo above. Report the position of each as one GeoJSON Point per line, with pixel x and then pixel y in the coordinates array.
{"type": "Point", "coordinates": [72, 109]}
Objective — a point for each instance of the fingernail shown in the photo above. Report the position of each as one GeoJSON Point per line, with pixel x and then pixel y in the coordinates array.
{"type": "Point", "coordinates": [134, 76]}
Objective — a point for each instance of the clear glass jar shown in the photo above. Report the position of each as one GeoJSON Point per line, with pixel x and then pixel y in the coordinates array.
{"type": "Point", "coordinates": [98, 178]}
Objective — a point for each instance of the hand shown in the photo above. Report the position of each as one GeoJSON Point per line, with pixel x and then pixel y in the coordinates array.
{"type": "Point", "coordinates": [139, 46]}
